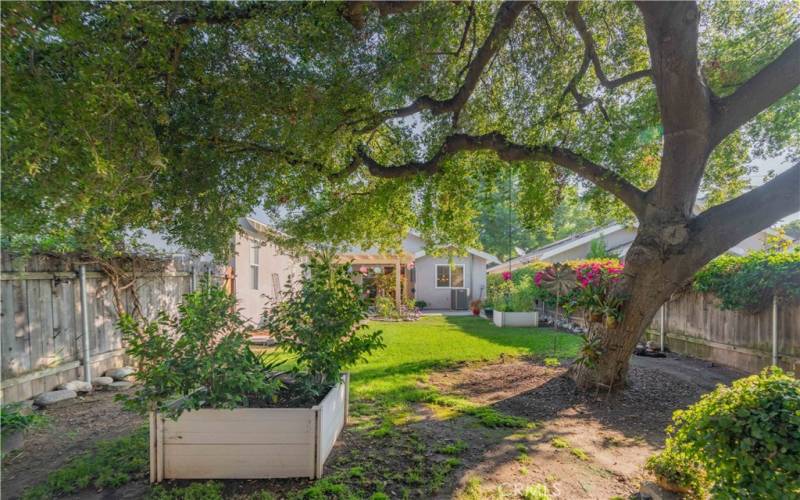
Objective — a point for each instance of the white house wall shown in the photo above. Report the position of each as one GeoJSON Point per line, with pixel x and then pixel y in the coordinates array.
{"type": "Point", "coordinates": [271, 260]}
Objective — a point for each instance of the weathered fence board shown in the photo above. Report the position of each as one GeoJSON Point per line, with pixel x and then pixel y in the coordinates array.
{"type": "Point", "coordinates": [695, 325]}
{"type": "Point", "coordinates": [42, 322]}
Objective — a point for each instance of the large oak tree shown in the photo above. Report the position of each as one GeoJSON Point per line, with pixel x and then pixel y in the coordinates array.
{"type": "Point", "coordinates": [353, 122]}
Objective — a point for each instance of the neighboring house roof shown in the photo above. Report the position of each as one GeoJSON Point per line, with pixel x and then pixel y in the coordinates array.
{"type": "Point", "coordinates": [474, 251]}
{"type": "Point", "coordinates": [548, 251]}
{"type": "Point", "coordinates": [478, 253]}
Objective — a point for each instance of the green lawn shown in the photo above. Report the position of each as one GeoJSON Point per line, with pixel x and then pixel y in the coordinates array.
{"type": "Point", "coordinates": [413, 349]}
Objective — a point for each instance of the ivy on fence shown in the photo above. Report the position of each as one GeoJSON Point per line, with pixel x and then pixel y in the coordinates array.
{"type": "Point", "coordinates": [749, 282]}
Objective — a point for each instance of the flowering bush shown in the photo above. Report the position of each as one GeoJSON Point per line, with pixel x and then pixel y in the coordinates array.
{"type": "Point", "coordinates": [589, 291]}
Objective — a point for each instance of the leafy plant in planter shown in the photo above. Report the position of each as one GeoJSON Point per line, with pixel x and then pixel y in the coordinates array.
{"type": "Point", "coordinates": [200, 357]}
{"type": "Point", "coordinates": [321, 320]}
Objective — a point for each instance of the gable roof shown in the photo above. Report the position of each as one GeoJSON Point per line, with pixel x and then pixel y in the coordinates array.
{"type": "Point", "coordinates": [474, 251]}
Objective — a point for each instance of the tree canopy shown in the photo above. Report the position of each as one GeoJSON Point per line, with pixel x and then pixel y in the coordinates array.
{"type": "Point", "coordinates": [356, 121]}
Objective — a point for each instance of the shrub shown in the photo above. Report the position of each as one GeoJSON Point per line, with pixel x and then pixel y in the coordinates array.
{"type": "Point", "coordinates": [420, 304]}
{"type": "Point", "coordinates": [13, 419]}
{"type": "Point", "coordinates": [745, 437]}
{"type": "Point", "coordinates": [680, 470]}
{"type": "Point", "coordinates": [385, 308]}
{"type": "Point", "coordinates": [321, 321]}
{"type": "Point", "coordinates": [202, 356]}
{"type": "Point", "coordinates": [749, 282]}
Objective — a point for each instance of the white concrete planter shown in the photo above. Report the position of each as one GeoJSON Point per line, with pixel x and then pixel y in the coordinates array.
{"type": "Point", "coordinates": [248, 443]}
{"type": "Point", "coordinates": [515, 318]}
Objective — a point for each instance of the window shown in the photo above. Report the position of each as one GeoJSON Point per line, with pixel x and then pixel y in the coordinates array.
{"type": "Point", "coordinates": [449, 276]}
{"type": "Point", "coordinates": [255, 247]}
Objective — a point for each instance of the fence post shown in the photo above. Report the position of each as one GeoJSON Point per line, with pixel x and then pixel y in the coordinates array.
{"type": "Point", "coordinates": [87, 354]}
{"type": "Point", "coordinates": [661, 324]}
{"type": "Point", "coordinates": [774, 330]}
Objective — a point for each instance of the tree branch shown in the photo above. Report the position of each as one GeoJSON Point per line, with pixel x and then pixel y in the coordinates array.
{"type": "Point", "coordinates": [230, 14]}
{"type": "Point", "coordinates": [604, 178]}
{"type": "Point", "coordinates": [774, 81]}
{"type": "Point", "coordinates": [723, 226]}
{"type": "Point", "coordinates": [591, 52]}
{"type": "Point", "coordinates": [506, 15]}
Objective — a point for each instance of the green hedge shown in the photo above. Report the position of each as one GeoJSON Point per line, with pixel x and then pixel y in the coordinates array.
{"type": "Point", "coordinates": [749, 282]}
{"type": "Point", "coordinates": [741, 441]}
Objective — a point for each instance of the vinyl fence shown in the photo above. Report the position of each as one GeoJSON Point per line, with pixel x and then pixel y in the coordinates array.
{"type": "Point", "coordinates": [695, 325]}
{"type": "Point", "coordinates": [42, 322]}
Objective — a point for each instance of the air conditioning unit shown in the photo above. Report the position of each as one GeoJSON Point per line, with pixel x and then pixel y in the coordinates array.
{"type": "Point", "coordinates": [459, 299]}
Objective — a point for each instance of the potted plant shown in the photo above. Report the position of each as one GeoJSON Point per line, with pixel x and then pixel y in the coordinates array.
{"type": "Point", "coordinates": [217, 410]}
{"type": "Point", "coordinates": [475, 306]}
{"type": "Point", "coordinates": [514, 304]}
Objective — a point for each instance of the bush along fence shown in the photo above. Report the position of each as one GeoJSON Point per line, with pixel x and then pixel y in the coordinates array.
{"type": "Point", "coordinates": [46, 338]}
{"type": "Point", "coordinates": [742, 312]}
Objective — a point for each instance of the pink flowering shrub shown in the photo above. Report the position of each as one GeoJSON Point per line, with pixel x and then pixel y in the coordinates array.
{"type": "Point", "coordinates": [593, 281]}
{"type": "Point", "coordinates": [506, 275]}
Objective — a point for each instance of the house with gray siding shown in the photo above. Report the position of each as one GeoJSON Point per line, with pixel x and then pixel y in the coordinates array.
{"type": "Point", "coordinates": [447, 281]}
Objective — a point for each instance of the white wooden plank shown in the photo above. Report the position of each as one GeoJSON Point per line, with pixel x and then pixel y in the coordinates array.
{"type": "Point", "coordinates": [208, 461]}
{"type": "Point", "coordinates": [242, 426]}
{"type": "Point", "coordinates": [332, 419]}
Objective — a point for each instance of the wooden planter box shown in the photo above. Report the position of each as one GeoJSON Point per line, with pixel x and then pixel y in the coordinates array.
{"type": "Point", "coordinates": [248, 443]}
{"type": "Point", "coordinates": [501, 318]}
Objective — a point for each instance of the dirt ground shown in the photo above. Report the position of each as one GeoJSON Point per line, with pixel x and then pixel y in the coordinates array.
{"type": "Point", "coordinates": [69, 431]}
{"type": "Point", "coordinates": [601, 441]}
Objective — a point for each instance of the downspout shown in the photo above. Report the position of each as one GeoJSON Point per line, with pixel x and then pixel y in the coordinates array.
{"type": "Point", "coordinates": [774, 330]}
{"type": "Point", "coordinates": [661, 323]}
{"type": "Point", "coordinates": [87, 354]}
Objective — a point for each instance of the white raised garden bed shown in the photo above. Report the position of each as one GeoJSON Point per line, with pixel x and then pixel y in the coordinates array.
{"type": "Point", "coordinates": [515, 318]}
{"type": "Point", "coordinates": [248, 443]}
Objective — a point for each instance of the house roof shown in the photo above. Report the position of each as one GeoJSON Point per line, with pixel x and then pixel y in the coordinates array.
{"type": "Point", "coordinates": [547, 251]}
{"type": "Point", "coordinates": [474, 251]}
{"type": "Point", "coordinates": [478, 253]}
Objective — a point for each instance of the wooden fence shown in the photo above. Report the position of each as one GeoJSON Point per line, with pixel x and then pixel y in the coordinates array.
{"type": "Point", "coordinates": [41, 318]}
{"type": "Point", "coordinates": [696, 326]}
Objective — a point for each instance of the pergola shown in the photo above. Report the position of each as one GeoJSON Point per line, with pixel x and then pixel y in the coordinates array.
{"type": "Point", "coordinates": [397, 260]}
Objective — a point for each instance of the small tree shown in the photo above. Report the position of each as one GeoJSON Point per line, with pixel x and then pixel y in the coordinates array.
{"type": "Point", "coordinates": [320, 319]}
{"type": "Point", "coordinates": [201, 356]}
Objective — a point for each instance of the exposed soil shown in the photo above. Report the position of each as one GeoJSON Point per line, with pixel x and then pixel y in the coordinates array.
{"type": "Point", "coordinates": [606, 438]}
{"type": "Point", "coordinates": [616, 432]}
{"type": "Point", "coordinates": [70, 431]}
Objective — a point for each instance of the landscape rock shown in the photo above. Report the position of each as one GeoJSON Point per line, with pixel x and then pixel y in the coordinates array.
{"type": "Point", "coordinates": [120, 373]}
{"type": "Point", "coordinates": [77, 386]}
{"type": "Point", "coordinates": [55, 398]}
{"type": "Point", "coordinates": [120, 385]}
{"type": "Point", "coordinates": [652, 491]}
{"type": "Point", "coordinates": [102, 382]}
